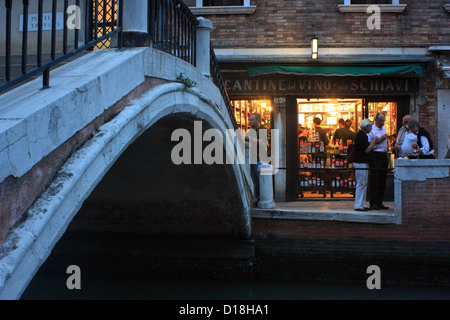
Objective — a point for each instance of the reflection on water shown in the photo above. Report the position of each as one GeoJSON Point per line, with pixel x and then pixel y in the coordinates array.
{"type": "Point", "coordinates": [54, 287]}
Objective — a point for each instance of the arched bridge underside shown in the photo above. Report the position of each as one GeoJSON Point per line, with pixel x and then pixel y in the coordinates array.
{"type": "Point", "coordinates": [123, 180]}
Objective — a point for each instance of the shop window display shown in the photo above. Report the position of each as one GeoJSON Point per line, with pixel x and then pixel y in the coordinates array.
{"type": "Point", "coordinates": [324, 169]}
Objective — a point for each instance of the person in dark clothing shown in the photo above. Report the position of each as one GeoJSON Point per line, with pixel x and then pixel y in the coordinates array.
{"type": "Point", "coordinates": [361, 160]}
{"type": "Point", "coordinates": [255, 124]}
{"type": "Point", "coordinates": [337, 133]}
{"type": "Point", "coordinates": [347, 133]}
{"type": "Point", "coordinates": [424, 147]}
{"type": "Point", "coordinates": [322, 134]}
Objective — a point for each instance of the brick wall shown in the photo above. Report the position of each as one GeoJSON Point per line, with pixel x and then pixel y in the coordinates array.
{"type": "Point", "coordinates": [425, 222]}
{"type": "Point", "coordinates": [291, 23]}
{"type": "Point", "coordinates": [415, 252]}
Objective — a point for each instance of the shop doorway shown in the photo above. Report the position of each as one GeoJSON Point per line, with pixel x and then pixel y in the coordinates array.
{"type": "Point", "coordinates": [322, 159]}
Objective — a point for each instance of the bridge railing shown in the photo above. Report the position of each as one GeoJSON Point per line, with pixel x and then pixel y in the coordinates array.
{"type": "Point", "coordinates": [172, 28]}
{"type": "Point", "coordinates": [216, 76]}
{"type": "Point", "coordinates": [94, 20]}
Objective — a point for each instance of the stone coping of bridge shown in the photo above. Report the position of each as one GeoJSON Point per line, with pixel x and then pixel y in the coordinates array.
{"type": "Point", "coordinates": [34, 122]}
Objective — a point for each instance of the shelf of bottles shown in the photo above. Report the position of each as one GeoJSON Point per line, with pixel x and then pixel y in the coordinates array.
{"type": "Point", "coordinates": [329, 111]}
{"type": "Point", "coordinates": [243, 109]}
{"type": "Point", "coordinates": [324, 170]}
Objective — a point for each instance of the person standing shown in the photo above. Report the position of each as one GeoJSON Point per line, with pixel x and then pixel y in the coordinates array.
{"type": "Point", "coordinates": [337, 133]}
{"type": "Point", "coordinates": [361, 159]}
{"type": "Point", "coordinates": [255, 124]}
{"type": "Point", "coordinates": [400, 147]}
{"type": "Point", "coordinates": [378, 163]}
{"type": "Point", "coordinates": [347, 133]}
{"type": "Point", "coordinates": [322, 134]}
{"type": "Point", "coordinates": [425, 148]}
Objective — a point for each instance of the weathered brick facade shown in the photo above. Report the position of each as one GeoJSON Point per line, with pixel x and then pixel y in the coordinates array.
{"type": "Point", "coordinates": [292, 23]}
{"type": "Point", "coordinates": [338, 249]}
{"type": "Point", "coordinates": [417, 250]}
{"type": "Point", "coordinates": [425, 219]}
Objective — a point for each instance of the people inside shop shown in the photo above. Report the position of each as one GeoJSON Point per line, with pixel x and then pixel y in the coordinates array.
{"type": "Point", "coordinates": [378, 164]}
{"type": "Point", "coordinates": [345, 133]}
{"type": "Point", "coordinates": [337, 133]}
{"type": "Point", "coordinates": [302, 134]}
{"type": "Point", "coordinates": [424, 148]}
{"type": "Point", "coordinates": [405, 139]}
{"type": "Point", "coordinates": [361, 158]}
{"type": "Point", "coordinates": [255, 124]}
{"type": "Point", "coordinates": [322, 134]}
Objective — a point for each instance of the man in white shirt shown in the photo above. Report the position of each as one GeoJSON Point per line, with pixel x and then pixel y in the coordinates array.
{"type": "Point", "coordinates": [401, 145]}
{"type": "Point", "coordinates": [379, 162]}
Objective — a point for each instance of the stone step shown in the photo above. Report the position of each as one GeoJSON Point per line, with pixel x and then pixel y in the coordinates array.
{"type": "Point", "coordinates": [16, 64]}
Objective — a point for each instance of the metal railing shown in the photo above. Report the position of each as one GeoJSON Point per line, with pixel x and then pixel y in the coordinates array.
{"type": "Point", "coordinates": [96, 29]}
{"type": "Point", "coordinates": [217, 79]}
{"type": "Point", "coordinates": [173, 28]}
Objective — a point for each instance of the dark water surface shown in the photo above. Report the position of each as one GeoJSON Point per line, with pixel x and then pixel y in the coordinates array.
{"type": "Point", "coordinates": [54, 287]}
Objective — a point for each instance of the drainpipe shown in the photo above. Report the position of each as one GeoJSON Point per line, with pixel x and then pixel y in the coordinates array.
{"type": "Point", "coordinates": [135, 25]}
{"type": "Point", "coordinates": [203, 60]}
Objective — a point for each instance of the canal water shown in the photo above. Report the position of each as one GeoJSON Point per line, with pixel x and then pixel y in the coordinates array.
{"type": "Point", "coordinates": [131, 268]}
{"type": "Point", "coordinates": [53, 287]}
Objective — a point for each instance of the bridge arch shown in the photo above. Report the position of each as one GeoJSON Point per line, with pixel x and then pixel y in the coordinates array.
{"type": "Point", "coordinates": [32, 241]}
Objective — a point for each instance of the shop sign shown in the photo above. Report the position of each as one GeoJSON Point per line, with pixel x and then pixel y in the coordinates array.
{"type": "Point", "coordinates": [318, 85]}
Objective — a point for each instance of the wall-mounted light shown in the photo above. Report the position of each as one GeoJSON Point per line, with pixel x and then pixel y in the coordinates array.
{"type": "Point", "coordinates": [314, 48]}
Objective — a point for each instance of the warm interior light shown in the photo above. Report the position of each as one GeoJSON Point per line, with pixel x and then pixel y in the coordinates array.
{"type": "Point", "coordinates": [314, 48]}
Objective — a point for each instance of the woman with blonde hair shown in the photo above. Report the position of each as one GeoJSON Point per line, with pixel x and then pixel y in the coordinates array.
{"type": "Point", "coordinates": [361, 159]}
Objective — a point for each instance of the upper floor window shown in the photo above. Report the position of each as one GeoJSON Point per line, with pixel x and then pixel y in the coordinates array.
{"type": "Point", "coordinates": [371, 1]}
{"type": "Point", "coordinates": [349, 2]}
{"type": "Point", "coordinates": [205, 7]}
{"type": "Point", "coordinates": [220, 3]}
{"type": "Point", "coordinates": [362, 5]}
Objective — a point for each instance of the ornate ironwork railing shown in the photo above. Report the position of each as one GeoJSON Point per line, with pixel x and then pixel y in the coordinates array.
{"type": "Point", "coordinates": [216, 76]}
{"type": "Point", "coordinates": [96, 20]}
{"type": "Point", "coordinates": [172, 28]}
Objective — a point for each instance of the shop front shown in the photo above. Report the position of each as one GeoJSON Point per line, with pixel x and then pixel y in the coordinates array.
{"type": "Point", "coordinates": [314, 166]}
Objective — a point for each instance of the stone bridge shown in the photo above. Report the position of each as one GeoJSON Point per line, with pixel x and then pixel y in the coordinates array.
{"type": "Point", "coordinates": [97, 144]}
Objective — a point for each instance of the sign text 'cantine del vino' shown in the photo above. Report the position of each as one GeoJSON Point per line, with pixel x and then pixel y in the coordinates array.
{"type": "Point", "coordinates": [277, 84]}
